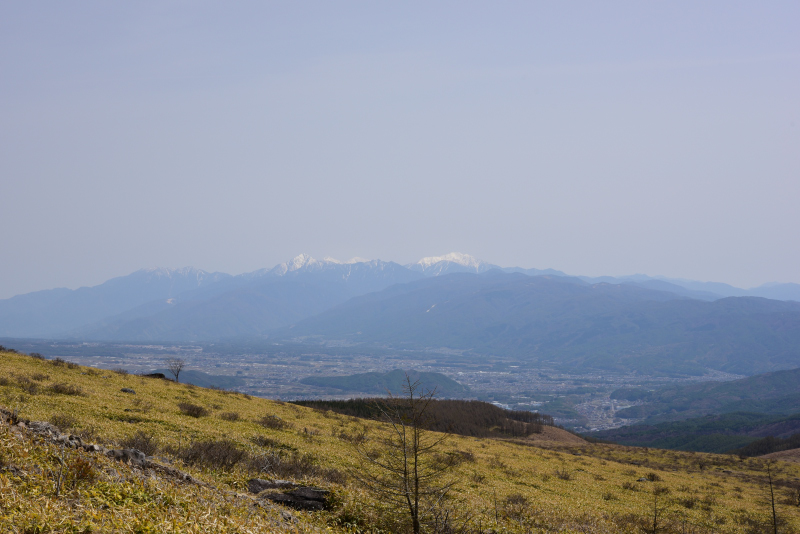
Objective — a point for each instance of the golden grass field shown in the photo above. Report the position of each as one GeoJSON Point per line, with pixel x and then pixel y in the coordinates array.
{"type": "Point", "coordinates": [542, 484]}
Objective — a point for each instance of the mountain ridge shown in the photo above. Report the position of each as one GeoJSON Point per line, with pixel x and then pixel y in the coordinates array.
{"type": "Point", "coordinates": [188, 304]}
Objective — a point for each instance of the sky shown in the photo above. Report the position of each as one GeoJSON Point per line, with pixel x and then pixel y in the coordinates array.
{"type": "Point", "coordinates": [598, 138]}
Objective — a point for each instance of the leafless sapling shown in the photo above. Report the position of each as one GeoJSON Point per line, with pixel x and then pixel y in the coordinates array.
{"type": "Point", "coordinates": [407, 467]}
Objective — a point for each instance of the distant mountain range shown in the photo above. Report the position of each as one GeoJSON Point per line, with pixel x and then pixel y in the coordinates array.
{"type": "Point", "coordinates": [453, 301]}
{"type": "Point", "coordinates": [569, 322]}
{"type": "Point", "coordinates": [58, 311]}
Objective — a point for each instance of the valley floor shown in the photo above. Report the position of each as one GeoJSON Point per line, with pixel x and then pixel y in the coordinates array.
{"type": "Point", "coordinates": [579, 401]}
{"type": "Point", "coordinates": [512, 485]}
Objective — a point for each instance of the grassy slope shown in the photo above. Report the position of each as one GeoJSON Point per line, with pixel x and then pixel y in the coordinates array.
{"type": "Point", "coordinates": [520, 486]}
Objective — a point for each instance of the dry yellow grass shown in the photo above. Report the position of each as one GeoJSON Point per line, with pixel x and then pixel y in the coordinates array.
{"type": "Point", "coordinates": [792, 455]}
{"type": "Point", "coordinates": [506, 485]}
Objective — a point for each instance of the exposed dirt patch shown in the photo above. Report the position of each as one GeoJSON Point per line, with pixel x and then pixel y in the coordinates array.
{"type": "Point", "coordinates": [551, 435]}
{"type": "Point", "coordinates": [792, 455]}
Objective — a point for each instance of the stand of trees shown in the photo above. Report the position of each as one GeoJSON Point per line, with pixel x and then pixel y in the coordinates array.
{"type": "Point", "coordinates": [464, 417]}
{"type": "Point", "coordinates": [768, 445]}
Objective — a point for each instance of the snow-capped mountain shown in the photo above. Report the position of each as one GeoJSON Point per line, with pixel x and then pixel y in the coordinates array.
{"type": "Point", "coordinates": [191, 304]}
{"type": "Point", "coordinates": [455, 262]}
{"type": "Point", "coordinates": [301, 262]}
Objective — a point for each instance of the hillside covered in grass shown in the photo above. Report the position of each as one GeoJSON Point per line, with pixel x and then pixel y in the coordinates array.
{"type": "Point", "coordinates": [204, 446]}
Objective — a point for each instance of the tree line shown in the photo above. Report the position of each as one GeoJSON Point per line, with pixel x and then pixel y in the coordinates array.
{"type": "Point", "coordinates": [464, 417]}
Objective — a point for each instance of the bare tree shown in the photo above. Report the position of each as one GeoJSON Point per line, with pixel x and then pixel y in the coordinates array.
{"type": "Point", "coordinates": [407, 467]}
{"type": "Point", "coordinates": [175, 366]}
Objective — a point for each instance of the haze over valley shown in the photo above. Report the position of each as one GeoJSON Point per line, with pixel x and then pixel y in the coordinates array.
{"type": "Point", "coordinates": [529, 339]}
{"type": "Point", "coordinates": [572, 298]}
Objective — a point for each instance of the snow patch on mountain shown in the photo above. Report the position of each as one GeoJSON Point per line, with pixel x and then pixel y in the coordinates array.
{"type": "Point", "coordinates": [450, 263]}
{"type": "Point", "coordinates": [301, 261]}
{"type": "Point", "coordinates": [455, 257]}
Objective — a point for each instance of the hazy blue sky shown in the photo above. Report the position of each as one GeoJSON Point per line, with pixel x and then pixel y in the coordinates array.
{"type": "Point", "coordinates": [595, 137]}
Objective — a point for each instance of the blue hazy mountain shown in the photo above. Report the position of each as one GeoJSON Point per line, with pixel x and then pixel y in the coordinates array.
{"type": "Point", "coordinates": [191, 305]}
{"type": "Point", "coordinates": [704, 290]}
{"type": "Point", "coordinates": [49, 312]}
{"type": "Point", "coordinates": [567, 321]}
{"type": "Point", "coordinates": [252, 304]}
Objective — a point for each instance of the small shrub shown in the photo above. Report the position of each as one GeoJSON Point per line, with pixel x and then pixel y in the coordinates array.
{"type": "Point", "coordinates": [59, 362]}
{"type": "Point", "coordinates": [80, 470]}
{"type": "Point", "coordinates": [563, 473]}
{"type": "Point", "coordinates": [142, 405]}
{"type": "Point", "coordinates": [356, 438]}
{"type": "Point", "coordinates": [39, 377]}
{"type": "Point", "coordinates": [478, 478]}
{"type": "Point", "coordinates": [193, 410]}
{"type": "Point", "coordinates": [230, 416]}
{"type": "Point", "coordinates": [269, 443]}
{"type": "Point", "coordinates": [515, 506]}
{"type": "Point", "coordinates": [274, 422]}
{"type": "Point", "coordinates": [688, 502]}
{"type": "Point", "coordinates": [496, 463]}
{"type": "Point", "coordinates": [63, 421]}
{"type": "Point", "coordinates": [309, 435]}
{"type": "Point", "coordinates": [295, 466]}
{"type": "Point", "coordinates": [516, 499]}
{"type": "Point", "coordinates": [465, 456]}
{"type": "Point", "coordinates": [608, 496]}
{"type": "Point", "coordinates": [141, 441]}
{"type": "Point", "coordinates": [652, 477]}
{"type": "Point", "coordinates": [88, 433]}
{"type": "Point", "coordinates": [120, 371]}
{"type": "Point", "coordinates": [37, 356]}
{"type": "Point", "coordinates": [4, 381]}
{"type": "Point", "coordinates": [65, 389]}
{"type": "Point", "coordinates": [708, 501]}
{"type": "Point", "coordinates": [223, 454]}
{"type": "Point", "coordinates": [28, 386]}
{"type": "Point", "coordinates": [629, 486]}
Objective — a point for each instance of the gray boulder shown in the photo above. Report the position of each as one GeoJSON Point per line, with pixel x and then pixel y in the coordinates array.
{"type": "Point", "coordinates": [305, 498]}
{"type": "Point", "coordinates": [257, 485]}
{"type": "Point", "coordinates": [128, 456]}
